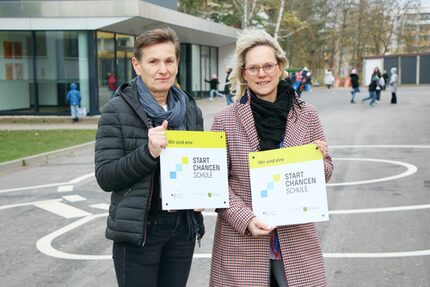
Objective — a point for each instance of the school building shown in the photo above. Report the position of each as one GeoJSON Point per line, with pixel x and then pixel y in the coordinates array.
{"type": "Point", "coordinates": [47, 45]}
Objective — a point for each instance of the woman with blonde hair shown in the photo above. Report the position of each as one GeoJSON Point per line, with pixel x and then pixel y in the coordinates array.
{"type": "Point", "coordinates": [267, 115]}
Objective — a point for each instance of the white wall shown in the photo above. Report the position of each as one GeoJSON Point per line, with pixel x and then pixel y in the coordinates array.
{"type": "Point", "coordinates": [225, 58]}
{"type": "Point", "coordinates": [368, 66]}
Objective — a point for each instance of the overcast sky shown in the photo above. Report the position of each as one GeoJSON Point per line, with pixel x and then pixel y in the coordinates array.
{"type": "Point", "coordinates": [425, 2]}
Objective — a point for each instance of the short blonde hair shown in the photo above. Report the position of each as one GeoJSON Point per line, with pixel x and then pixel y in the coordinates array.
{"type": "Point", "coordinates": [247, 40]}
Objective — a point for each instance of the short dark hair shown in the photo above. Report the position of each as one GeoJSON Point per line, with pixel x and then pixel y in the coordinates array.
{"type": "Point", "coordinates": [156, 36]}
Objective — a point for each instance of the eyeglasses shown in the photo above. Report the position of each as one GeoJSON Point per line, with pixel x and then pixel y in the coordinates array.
{"type": "Point", "coordinates": [267, 68]}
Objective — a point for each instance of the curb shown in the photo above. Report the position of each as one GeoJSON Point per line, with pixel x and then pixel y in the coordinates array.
{"type": "Point", "coordinates": [42, 158]}
{"type": "Point", "coordinates": [46, 120]}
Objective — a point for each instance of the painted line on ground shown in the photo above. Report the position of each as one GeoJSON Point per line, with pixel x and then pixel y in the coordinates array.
{"type": "Point", "coordinates": [62, 209]}
{"type": "Point", "coordinates": [102, 206]}
{"type": "Point", "coordinates": [29, 203]}
{"type": "Point", "coordinates": [379, 146]}
{"type": "Point", "coordinates": [73, 181]}
{"type": "Point", "coordinates": [82, 178]}
{"type": "Point", "coordinates": [65, 188]}
{"type": "Point", "coordinates": [55, 206]}
{"type": "Point", "coordinates": [74, 198]}
{"type": "Point", "coordinates": [410, 169]}
{"type": "Point", "coordinates": [44, 245]}
{"type": "Point", "coordinates": [378, 254]}
{"type": "Point", "coordinates": [362, 210]}
{"type": "Point", "coordinates": [381, 209]}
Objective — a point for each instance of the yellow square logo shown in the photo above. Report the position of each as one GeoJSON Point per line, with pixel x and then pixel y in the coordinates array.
{"type": "Point", "coordinates": [185, 160]}
{"type": "Point", "coordinates": [276, 177]}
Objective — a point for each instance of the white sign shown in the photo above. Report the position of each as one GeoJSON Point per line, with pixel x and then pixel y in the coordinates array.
{"type": "Point", "coordinates": [194, 171]}
{"type": "Point", "coordinates": [288, 185]}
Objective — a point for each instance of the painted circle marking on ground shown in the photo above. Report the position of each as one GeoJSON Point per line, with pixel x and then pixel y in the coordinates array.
{"type": "Point", "coordinates": [410, 169]}
{"type": "Point", "coordinates": [44, 243]}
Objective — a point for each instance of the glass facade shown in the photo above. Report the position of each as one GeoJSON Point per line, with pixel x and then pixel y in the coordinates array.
{"type": "Point", "coordinates": [37, 68]}
{"type": "Point", "coordinates": [61, 59]}
{"type": "Point", "coordinates": [105, 66]}
{"type": "Point", "coordinates": [16, 72]}
{"type": "Point", "coordinates": [114, 52]}
{"type": "Point", "coordinates": [124, 52]}
{"type": "Point", "coordinates": [204, 63]}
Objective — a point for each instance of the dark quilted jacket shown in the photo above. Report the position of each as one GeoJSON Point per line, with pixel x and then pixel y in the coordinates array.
{"type": "Point", "coordinates": [125, 167]}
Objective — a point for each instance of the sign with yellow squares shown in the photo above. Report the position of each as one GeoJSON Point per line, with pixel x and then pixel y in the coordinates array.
{"type": "Point", "coordinates": [288, 185]}
{"type": "Point", "coordinates": [194, 170]}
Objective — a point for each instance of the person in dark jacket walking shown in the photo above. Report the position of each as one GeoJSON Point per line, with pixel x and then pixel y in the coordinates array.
{"type": "Point", "coordinates": [355, 84]}
{"type": "Point", "coordinates": [151, 247]}
{"type": "Point", "coordinates": [213, 87]}
{"type": "Point", "coordinates": [227, 87]}
{"type": "Point", "coordinates": [377, 72]}
{"type": "Point", "coordinates": [74, 99]}
{"type": "Point", "coordinates": [373, 88]}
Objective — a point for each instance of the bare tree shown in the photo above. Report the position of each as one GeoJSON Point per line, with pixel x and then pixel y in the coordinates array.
{"type": "Point", "coordinates": [247, 12]}
{"type": "Point", "coordinates": [343, 9]}
{"type": "Point", "coordinates": [278, 21]}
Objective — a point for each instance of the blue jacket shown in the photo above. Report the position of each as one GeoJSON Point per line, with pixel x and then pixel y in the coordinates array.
{"type": "Point", "coordinates": [74, 96]}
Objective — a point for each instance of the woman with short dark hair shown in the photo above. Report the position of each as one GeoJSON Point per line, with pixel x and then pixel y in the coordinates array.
{"type": "Point", "coordinates": [152, 247]}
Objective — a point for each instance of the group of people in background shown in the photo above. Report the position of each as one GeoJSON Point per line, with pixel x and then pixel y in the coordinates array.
{"type": "Point", "coordinates": [302, 81]}
{"type": "Point", "coordinates": [378, 83]}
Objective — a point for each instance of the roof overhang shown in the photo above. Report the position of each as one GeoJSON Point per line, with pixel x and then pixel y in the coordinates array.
{"type": "Point", "coordinates": [120, 16]}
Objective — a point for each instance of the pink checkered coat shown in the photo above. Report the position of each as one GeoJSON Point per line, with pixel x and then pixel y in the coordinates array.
{"type": "Point", "coordinates": [238, 259]}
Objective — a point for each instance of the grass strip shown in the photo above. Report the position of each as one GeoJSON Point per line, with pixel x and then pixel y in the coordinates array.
{"type": "Point", "coordinates": [19, 144]}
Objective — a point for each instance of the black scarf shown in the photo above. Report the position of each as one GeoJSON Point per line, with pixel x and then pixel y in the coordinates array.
{"type": "Point", "coordinates": [271, 118]}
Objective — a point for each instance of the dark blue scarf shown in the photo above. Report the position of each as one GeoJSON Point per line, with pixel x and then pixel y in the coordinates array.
{"type": "Point", "coordinates": [176, 106]}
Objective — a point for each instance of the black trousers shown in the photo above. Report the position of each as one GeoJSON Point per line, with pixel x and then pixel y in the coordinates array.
{"type": "Point", "coordinates": [393, 98]}
{"type": "Point", "coordinates": [164, 260]}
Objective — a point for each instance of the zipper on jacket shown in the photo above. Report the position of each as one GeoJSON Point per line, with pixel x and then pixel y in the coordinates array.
{"type": "Point", "coordinates": [148, 206]}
